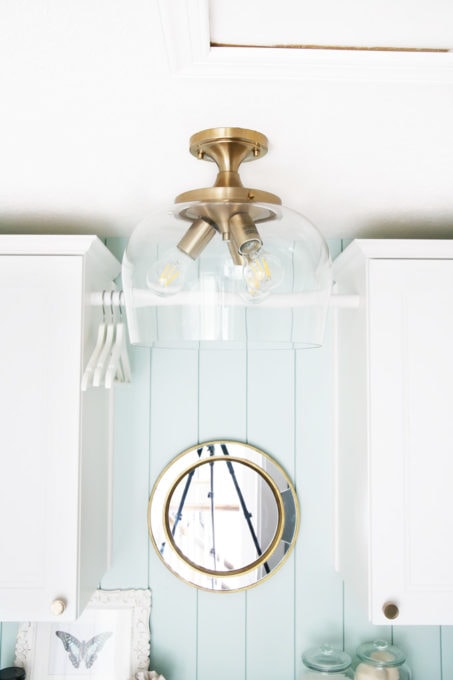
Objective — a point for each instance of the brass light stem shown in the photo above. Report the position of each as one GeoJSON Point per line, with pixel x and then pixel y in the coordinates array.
{"type": "Point", "coordinates": [228, 148]}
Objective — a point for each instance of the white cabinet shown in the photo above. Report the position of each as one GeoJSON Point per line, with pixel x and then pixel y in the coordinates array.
{"type": "Point", "coordinates": [395, 429]}
{"type": "Point", "coordinates": [54, 438]}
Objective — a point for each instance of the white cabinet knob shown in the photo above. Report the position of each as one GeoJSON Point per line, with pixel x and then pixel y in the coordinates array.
{"type": "Point", "coordinates": [57, 607]}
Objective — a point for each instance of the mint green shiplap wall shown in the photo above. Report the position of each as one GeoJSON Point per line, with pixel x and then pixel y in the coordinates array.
{"type": "Point", "coordinates": [283, 402]}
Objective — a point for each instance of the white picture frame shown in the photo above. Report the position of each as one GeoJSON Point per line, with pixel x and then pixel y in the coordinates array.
{"type": "Point", "coordinates": [109, 641]}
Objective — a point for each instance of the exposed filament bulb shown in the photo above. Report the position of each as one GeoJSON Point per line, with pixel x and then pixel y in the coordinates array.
{"type": "Point", "coordinates": [167, 276]}
{"type": "Point", "coordinates": [261, 274]}
{"type": "Point", "coordinates": [169, 273]}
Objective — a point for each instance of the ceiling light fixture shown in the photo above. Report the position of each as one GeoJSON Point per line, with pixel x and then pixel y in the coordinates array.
{"type": "Point", "coordinates": [265, 278]}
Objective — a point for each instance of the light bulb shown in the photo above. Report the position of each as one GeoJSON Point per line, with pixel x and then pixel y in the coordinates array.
{"type": "Point", "coordinates": [261, 274]}
{"type": "Point", "coordinates": [168, 274]}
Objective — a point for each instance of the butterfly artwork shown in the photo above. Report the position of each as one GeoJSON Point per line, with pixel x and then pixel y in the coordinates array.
{"type": "Point", "coordinates": [80, 650]}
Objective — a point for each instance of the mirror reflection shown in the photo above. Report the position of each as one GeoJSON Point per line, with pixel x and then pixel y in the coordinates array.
{"type": "Point", "coordinates": [223, 515]}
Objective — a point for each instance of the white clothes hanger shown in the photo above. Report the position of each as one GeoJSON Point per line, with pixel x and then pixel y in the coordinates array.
{"type": "Point", "coordinates": [109, 361]}
{"type": "Point", "coordinates": [119, 361]}
{"type": "Point", "coordinates": [103, 358]}
{"type": "Point", "coordinates": [118, 364]}
{"type": "Point", "coordinates": [87, 378]}
{"type": "Point", "coordinates": [124, 356]}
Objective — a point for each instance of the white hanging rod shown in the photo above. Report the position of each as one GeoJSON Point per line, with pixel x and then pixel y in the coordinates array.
{"type": "Point", "coordinates": [144, 298]}
{"type": "Point", "coordinates": [107, 298]}
{"type": "Point", "coordinates": [339, 300]}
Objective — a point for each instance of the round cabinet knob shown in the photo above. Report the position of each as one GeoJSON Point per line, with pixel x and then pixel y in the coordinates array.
{"type": "Point", "coordinates": [390, 610]}
{"type": "Point", "coordinates": [57, 607]}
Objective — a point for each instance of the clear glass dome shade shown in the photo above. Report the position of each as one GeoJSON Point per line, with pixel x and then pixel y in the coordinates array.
{"type": "Point", "coordinates": [277, 294]}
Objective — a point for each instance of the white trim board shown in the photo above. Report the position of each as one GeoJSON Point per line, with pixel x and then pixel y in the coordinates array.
{"type": "Point", "coordinates": [186, 32]}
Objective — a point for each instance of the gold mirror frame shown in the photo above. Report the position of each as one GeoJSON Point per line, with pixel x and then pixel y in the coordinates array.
{"type": "Point", "coordinates": [281, 490]}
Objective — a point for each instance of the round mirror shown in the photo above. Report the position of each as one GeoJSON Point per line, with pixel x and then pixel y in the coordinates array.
{"type": "Point", "coordinates": [223, 515]}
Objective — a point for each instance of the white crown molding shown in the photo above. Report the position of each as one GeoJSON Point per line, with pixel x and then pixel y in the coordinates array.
{"type": "Point", "coordinates": [185, 27]}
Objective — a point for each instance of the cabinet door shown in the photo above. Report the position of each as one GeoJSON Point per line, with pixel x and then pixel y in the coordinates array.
{"type": "Point", "coordinates": [40, 344]}
{"type": "Point", "coordinates": [411, 439]}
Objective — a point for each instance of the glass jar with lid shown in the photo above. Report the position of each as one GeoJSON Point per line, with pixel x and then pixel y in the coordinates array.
{"type": "Point", "coordinates": [379, 660]}
{"type": "Point", "coordinates": [325, 661]}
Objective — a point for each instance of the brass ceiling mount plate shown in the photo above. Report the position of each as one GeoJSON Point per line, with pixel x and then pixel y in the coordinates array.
{"type": "Point", "coordinates": [228, 146]}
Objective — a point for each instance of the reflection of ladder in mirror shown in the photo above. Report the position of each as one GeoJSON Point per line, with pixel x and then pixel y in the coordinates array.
{"type": "Point", "coordinates": [212, 507]}
{"type": "Point", "coordinates": [245, 511]}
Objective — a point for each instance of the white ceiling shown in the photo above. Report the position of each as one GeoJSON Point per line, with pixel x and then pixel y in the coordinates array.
{"type": "Point", "coordinates": [98, 99]}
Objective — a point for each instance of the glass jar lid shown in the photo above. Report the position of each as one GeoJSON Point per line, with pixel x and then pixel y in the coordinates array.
{"type": "Point", "coordinates": [326, 659]}
{"type": "Point", "coordinates": [381, 653]}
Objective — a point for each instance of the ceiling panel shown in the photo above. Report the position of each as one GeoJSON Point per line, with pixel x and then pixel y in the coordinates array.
{"type": "Point", "coordinates": [410, 24]}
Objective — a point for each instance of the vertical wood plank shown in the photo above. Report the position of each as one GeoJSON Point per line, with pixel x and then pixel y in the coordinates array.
{"type": "Point", "coordinates": [223, 409]}
{"type": "Point", "coordinates": [422, 645]}
{"type": "Point", "coordinates": [335, 247]}
{"type": "Point", "coordinates": [270, 426]}
{"type": "Point", "coordinates": [129, 566]}
{"type": "Point", "coordinates": [357, 627]}
{"type": "Point", "coordinates": [8, 632]}
{"type": "Point", "coordinates": [174, 424]}
{"type": "Point", "coordinates": [270, 404]}
{"type": "Point", "coordinates": [117, 246]}
{"type": "Point", "coordinates": [221, 635]}
{"type": "Point", "coordinates": [319, 592]}
{"type": "Point", "coordinates": [222, 416]}
{"type": "Point", "coordinates": [446, 648]}
{"type": "Point", "coordinates": [129, 563]}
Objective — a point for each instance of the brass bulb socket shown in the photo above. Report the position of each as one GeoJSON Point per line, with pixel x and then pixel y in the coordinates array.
{"type": "Point", "coordinates": [244, 234]}
{"type": "Point", "coordinates": [196, 238]}
{"type": "Point", "coordinates": [236, 257]}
